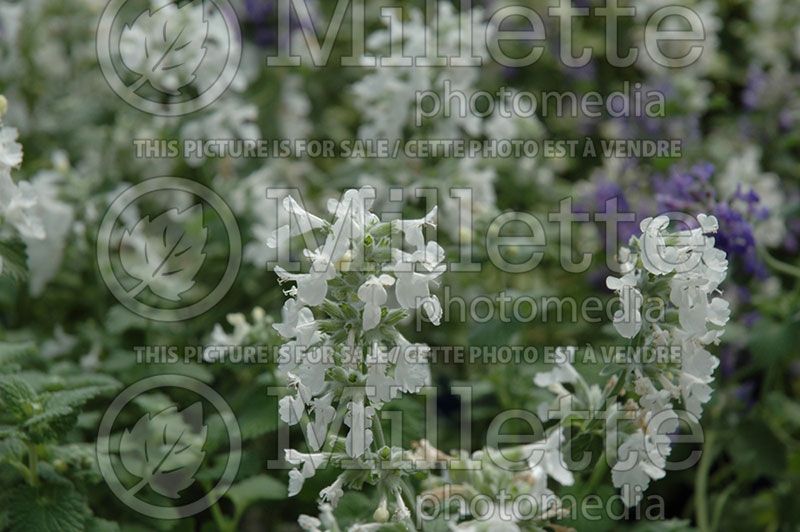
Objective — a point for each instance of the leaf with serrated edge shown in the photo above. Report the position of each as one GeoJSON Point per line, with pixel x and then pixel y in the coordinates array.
{"type": "Point", "coordinates": [162, 255]}
{"type": "Point", "coordinates": [55, 507]}
{"type": "Point", "coordinates": [257, 488]}
{"type": "Point", "coordinates": [166, 46]}
{"type": "Point", "coordinates": [164, 451]}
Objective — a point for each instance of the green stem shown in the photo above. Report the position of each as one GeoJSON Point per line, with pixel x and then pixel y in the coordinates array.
{"type": "Point", "coordinates": [33, 464]}
{"type": "Point", "coordinates": [600, 470]}
{"type": "Point", "coordinates": [377, 429]}
{"type": "Point", "coordinates": [778, 265]}
{"type": "Point", "coordinates": [223, 523]}
{"type": "Point", "coordinates": [701, 484]}
{"type": "Point", "coordinates": [720, 505]}
{"type": "Point", "coordinates": [23, 470]}
{"type": "Point", "coordinates": [411, 503]}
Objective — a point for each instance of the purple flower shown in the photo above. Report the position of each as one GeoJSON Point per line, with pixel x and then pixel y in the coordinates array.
{"type": "Point", "coordinates": [685, 191]}
{"type": "Point", "coordinates": [262, 17]}
{"type": "Point", "coordinates": [602, 191]}
{"type": "Point", "coordinates": [746, 393]}
{"type": "Point", "coordinates": [692, 192]}
{"type": "Point", "coordinates": [756, 83]}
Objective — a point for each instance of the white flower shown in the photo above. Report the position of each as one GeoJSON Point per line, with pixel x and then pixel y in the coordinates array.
{"type": "Point", "coordinates": [308, 523]}
{"type": "Point", "coordinates": [630, 279]}
{"type": "Point", "coordinates": [684, 271]}
{"type": "Point", "coordinates": [296, 481]}
{"type": "Point", "coordinates": [718, 312]}
{"type": "Point", "coordinates": [333, 493]}
{"type": "Point", "coordinates": [46, 227]}
{"type": "Point", "coordinates": [18, 204]}
{"type": "Point", "coordinates": [628, 320]}
{"type": "Point", "coordinates": [298, 322]}
{"type": "Point", "coordinates": [429, 257]}
{"type": "Point", "coordinates": [656, 256]}
{"type": "Point", "coordinates": [312, 287]}
{"type": "Point", "coordinates": [353, 218]}
{"type": "Point", "coordinates": [310, 461]}
{"type": "Point", "coordinates": [301, 222]}
{"type": "Point", "coordinates": [411, 370]}
{"type": "Point", "coordinates": [640, 461]}
{"type": "Point", "coordinates": [10, 149]}
{"type": "Point", "coordinates": [290, 409]}
{"type": "Point", "coordinates": [323, 415]}
{"type": "Point", "coordinates": [381, 387]}
{"type": "Point", "coordinates": [359, 419]}
{"type": "Point", "coordinates": [413, 288]}
{"type": "Point", "coordinates": [708, 224]}
{"type": "Point", "coordinates": [493, 524]}
{"type": "Point", "coordinates": [688, 293]}
{"type": "Point", "coordinates": [547, 455]}
{"type": "Point", "coordinates": [413, 229]}
{"type": "Point", "coordinates": [373, 294]}
{"type": "Point", "coordinates": [697, 371]}
{"type": "Point", "coordinates": [563, 372]}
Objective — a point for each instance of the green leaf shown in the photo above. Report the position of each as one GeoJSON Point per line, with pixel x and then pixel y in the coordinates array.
{"type": "Point", "coordinates": [76, 397]}
{"type": "Point", "coordinates": [495, 332]}
{"type": "Point", "coordinates": [257, 488]}
{"type": "Point", "coordinates": [350, 509]}
{"type": "Point", "coordinates": [673, 525]}
{"type": "Point", "coordinates": [11, 448]}
{"type": "Point", "coordinates": [51, 424]}
{"type": "Point", "coordinates": [76, 460]}
{"type": "Point", "coordinates": [56, 507]}
{"type": "Point", "coordinates": [13, 259]}
{"type": "Point", "coordinates": [11, 353]}
{"type": "Point", "coordinates": [17, 398]}
{"type": "Point", "coordinates": [96, 524]}
{"type": "Point", "coordinates": [258, 417]}
{"type": "Point", "coordinates": [774, 342]}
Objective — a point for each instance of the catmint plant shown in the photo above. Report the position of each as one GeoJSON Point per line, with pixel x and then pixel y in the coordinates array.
{"type": "Point", "coordinates": [344, 357]}
{"type": "Point", "coordinates": [19, 215]}
{"type": "Point", "coordinates": [670, 313]}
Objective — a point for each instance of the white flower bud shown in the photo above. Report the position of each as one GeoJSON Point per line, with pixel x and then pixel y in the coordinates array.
{"type": "Point", "coordinates": [381, 514]}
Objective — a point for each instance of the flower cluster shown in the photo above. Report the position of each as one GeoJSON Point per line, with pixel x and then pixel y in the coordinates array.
{"type": "Point", "coordinates": [667, 305]}
{"type": "Point", "coordinates": [17, 200]}
{"type": "Point", "coordinates": [668, 298]}
{"type": "Point", "coordinates": [31, 215]}
{"type": "Point", "coordinates": [344, 357]}
{"type": "Point", "coordinates": [487, 474]}
{"type": "Point", "coordinates": [258, 332]}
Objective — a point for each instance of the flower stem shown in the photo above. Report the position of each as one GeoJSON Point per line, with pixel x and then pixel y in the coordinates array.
{"type": "Point", "coordinates": [701, 485]}
{"type": "Point", "coordinates": [377, 429]}
{"type": "Point", "coordinates": [600, 469]}
{"type": "Point", "coordinates": [778, 265]}
{"type": "Point", "coordinates": [33, 464]}
{"type": "Point", "coordinates": [223, 523]}
{"type": "Point", "coordinates": [411, 502]}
